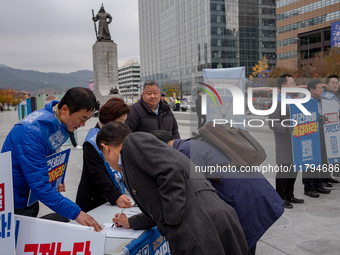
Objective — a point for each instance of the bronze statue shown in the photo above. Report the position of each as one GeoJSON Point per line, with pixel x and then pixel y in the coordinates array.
{"type": "Point", "coordinates": [104, 21]}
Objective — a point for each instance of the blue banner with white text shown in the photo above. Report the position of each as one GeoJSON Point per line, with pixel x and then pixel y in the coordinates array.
{"type": "Point", "coordinates": [306, 136]}
{"type": "Point", "coordinates": [150, 243]}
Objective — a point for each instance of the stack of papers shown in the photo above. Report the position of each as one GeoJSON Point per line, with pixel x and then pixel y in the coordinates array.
{"type": "Point", "coordinates": [118, 232]}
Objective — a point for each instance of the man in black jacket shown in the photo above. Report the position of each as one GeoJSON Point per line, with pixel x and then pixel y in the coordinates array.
{"type": "Point", "coordinates": [151, 113]}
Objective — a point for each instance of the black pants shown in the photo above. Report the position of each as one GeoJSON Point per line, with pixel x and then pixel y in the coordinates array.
{"type": "Point", "coordinates": [201, 120]}
{"type": "Point", "coordinates": [33, 210]}
{"type": "Point", "coordinates": [285, 182]}
{"type": "Point", "coordinates": [311, 180]}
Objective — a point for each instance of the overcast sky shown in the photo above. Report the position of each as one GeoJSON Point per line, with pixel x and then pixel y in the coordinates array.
{"type": "Point", "coordinates": [57, 35]}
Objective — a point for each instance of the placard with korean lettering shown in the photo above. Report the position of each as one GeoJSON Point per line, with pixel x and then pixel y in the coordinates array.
{"type": "Point", "coordinates": [40, 236]}
{"type": "Point", "coordinates": [7, 228]}
{"type": "Point", "coordinates": [332, 130]}
{"type": "Point", "coordinates": [306, 135]}
{"type": "Point", "coordinates": [57, 164]}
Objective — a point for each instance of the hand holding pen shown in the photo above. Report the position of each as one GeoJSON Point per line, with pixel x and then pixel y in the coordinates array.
{"type": "Point", "coordinates": [120, 220]}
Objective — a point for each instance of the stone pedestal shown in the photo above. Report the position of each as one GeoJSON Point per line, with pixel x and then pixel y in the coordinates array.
{"type": "Point", "coordinates": [105, 70]}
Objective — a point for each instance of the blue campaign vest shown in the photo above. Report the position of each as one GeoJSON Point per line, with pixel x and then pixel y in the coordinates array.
{"type": "Point", "coordinates": [48, 125]}
{"type": "Point", "coordinates": [116, 177]}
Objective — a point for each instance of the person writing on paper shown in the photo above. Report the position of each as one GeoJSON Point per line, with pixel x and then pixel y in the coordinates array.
{"type": "Point", "coordinates": [185, 208]}
{"type": "Point", "coordinates": [100, 183]}
{"type": "Point", "coordinates": [40, 134]}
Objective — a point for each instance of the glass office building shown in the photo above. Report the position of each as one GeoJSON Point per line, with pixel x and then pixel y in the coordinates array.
{"type": "Point", "coordinates": [180, 38]}
{"type": "Point", "coordinates": [309, 21]}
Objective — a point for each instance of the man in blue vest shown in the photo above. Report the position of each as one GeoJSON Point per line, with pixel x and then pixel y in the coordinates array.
{"type": "Point", "coordinates": [37, 136]}
{"type": "Point", "coordinates": [330, 93]}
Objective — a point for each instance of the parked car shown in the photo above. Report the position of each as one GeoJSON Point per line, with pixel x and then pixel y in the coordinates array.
{"type": "Point", "coordinates": [188, 106]}
{"type": "Point", "coordinates": [262, 103]}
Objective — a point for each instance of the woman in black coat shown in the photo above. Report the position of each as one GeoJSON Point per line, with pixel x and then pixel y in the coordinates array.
{"type": "Point", "coordinates": [99, 183]}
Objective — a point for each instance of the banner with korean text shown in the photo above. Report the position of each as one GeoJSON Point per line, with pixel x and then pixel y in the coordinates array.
{"type": "Point", "coordinates": [306, 136]}
{"type": "Point", "coordinates": [332, 130]}
{"type": "Point", "coordinates": [57, 164]}
{"type": "Point", "coordinates": [39, 236]}
{"type": "Point", "coordinates": [150, 243]}
{"type": "Point", "coordinates": [7, 228]}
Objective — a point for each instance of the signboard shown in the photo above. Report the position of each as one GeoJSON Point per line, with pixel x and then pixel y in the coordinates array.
{"type": "Point", "coordinates": [306, 136]}
{"type": "Point", "coordinates": [223, 109]}
{"type": "Point", "coordinates": [332, 130]}
{"type": "Point", "coordinates": [7, 228]}
{"type": "Point", "coordinates": [57, 164]}
{"type": "Point", "coordinates": [335, 34]}
{"type": "Point", "coordinates": [39, 236]}
{"type": "Point", "coordinates": [151, 243]}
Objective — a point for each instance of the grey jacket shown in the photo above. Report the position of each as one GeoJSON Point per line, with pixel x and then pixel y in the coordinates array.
{"type": "Point", "coordinates": [283, 140]}
{"type": "Point", "coordinates": [187, 211]}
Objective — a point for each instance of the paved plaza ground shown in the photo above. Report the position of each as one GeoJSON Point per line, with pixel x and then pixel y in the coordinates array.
{"type": "Point", "coordinates": [310, 228]}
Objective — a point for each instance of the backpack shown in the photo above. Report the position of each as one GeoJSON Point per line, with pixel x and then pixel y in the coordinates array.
{"type": "Point", "coordinates": [238, 144]}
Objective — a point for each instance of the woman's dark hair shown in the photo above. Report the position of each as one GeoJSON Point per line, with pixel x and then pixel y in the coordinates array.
{"type": "Point", "coordinates": [163, 135]}
{"type": "Point", "coordinates": [112, 110]}
{"type": "Point", "coordinates": [112, 133]}
{"type": "Point", "coordinates": [79, 98]}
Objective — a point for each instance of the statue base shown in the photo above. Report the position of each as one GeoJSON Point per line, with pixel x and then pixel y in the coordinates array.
{"type": "Point", "coordinates": [105, 70]}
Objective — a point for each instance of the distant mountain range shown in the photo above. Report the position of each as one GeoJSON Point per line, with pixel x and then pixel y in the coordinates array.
{"type": "Point", "coordinates": [40, 83]}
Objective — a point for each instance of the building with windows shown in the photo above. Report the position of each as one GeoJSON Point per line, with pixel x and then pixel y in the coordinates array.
{"type": "Point", "coordinates": [303, 25]}
{"type": "Point", "coordinates": [129, 79]}
{"type": "Point", "coordinates": [180, 38]}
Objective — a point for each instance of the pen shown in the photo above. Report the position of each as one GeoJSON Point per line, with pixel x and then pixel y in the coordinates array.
{"type": "Point", "coordinates": [118, 216]}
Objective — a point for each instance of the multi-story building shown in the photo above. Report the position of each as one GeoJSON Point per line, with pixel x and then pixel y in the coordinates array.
{"type": "Point", "coordinates": [180, 38]}
{"type": "Point", "coordinates": [304, 26]}
{"type": "Point", "coordinates": [129, 79]}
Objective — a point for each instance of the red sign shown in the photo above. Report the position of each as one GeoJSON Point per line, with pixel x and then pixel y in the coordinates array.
{"type": "Point", "coordinates": [306, 129]}
{"type": "Point", "coordinates": [80, 248]}
{"type": "Point", "coordinates": [2, 197]}
{"type": "Point", "coordinates": [332, 117]}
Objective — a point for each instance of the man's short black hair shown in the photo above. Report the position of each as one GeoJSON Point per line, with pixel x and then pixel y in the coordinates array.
{"type": "Point", "coordinates": [330, 77]}
{"type": "Point", "coordinates": [112, 133]}
{"type": "Point", "coordinates": [79, 98]}
{"type": "Point", "coordinates": [163, 135]}
{"type": "Point", "coordinates": [199, 91]}
{"type": "Point", "coordinates": [312, 84]}
{"type": "Point", "coordinates": [150, 83]}
{"type": "Point", "coordinates": [163, 95]}
{"type": "Point", "coordinates": [283, 79]}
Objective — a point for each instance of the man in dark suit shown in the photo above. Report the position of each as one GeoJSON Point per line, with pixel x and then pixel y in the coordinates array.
{"type": "Point", "coordinates": [163, 183]}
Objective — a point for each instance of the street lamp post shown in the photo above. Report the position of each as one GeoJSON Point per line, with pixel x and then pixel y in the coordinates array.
{"type": "Point", "coordinates": [306, 40]}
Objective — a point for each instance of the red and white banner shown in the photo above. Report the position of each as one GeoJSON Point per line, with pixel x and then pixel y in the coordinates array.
{"type": "Point", "coordinates": [7, 228]}
{"type": "Point", "coordinates": [38, 236]}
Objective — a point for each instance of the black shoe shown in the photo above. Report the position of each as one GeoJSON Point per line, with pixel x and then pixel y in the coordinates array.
{"type": "Point", "coordinates": [312, 193]}
{"type": "Point", "coordinates": [295, 200]}
{"type": "Point", "coordinates": [323, 190]}
{"type": "Point", "coordinates": [327, 185]}
{"type": "Point", "coordinates": [331, 180]}
{"type": "Point", "coordinates": [287, 205]}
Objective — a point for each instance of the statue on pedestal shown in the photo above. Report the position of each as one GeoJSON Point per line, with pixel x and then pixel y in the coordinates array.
{"type": "Point", "coordinates": [104, 21]}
